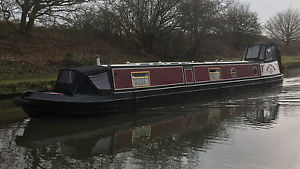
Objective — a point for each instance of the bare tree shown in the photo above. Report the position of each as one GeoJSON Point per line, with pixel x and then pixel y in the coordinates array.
{"type": "Point", "coordinates": [25, 12]}
{"type": "Point", "coordinates": [6, 11]}
{"type": "Point", "coordinates": [241, 24]}
{"type": "Point", "coordinates": [146, 20]}
{"type": "Point", "coordinates": [284, 26]}
{"type": "Point", "coordinates": [199, 19]}
{"type": "Point", "coordinates": [97, 19]}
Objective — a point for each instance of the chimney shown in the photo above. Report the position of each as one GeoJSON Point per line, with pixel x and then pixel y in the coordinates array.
{"type": "Point", "coordinates": [98, 60]}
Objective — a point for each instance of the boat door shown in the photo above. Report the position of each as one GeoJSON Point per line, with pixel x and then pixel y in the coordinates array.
{"type": "Point", "coordinates": [189, 75]}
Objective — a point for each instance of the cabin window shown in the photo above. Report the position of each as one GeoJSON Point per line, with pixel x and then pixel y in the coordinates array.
{"type": "Point", "coordinates": [214, 73]}
{"type": "Point", "coordinates": [270, 53]}
{"type": "Point", "coordinates": [140, 79]}
{"type": "Point", "coordinates": [233, 72]}
{"type": "Point", "coordinates": [253, 52]}
{"type": "Point", "coordinates": [262, 53]}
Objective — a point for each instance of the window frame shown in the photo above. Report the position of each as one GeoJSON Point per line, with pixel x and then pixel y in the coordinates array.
{"type": "Point", "coordinates": [217, 72]}
{"type": "Point", "coordinates": [250, 48]}
{"type": "Point", "coordinates": [148, 77]}
{"type": "Point", "coordinates": [262, 52]}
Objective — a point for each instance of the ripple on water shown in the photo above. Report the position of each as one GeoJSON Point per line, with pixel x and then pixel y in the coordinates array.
{"type": "Point", "coordinates": [290, 95]}
{"type": "Point", "coordinates": [291, 81]}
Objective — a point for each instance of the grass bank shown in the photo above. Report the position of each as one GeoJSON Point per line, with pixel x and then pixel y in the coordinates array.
{"type": "Point", "coordinates": [291, 61]}
{"type": "Point", "coordinates": [18, 86]}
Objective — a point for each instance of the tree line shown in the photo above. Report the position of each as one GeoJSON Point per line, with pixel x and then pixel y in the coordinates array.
{"type": "Point", "coordinates": [171, 28]}
{"type": "Point", "coordinates": [160, 26]}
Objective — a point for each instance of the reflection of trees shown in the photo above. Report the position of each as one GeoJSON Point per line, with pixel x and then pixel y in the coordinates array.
{"type": "Point", "coordinates": [169, 152]}
{"type": "Point", "coordinates": [175, 140]}
{"type": "Point", "coordinates": [262, 113]}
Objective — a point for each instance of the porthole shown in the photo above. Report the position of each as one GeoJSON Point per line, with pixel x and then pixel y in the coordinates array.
{"type": "Point", "coordinates": [255, 72]}
{"type": "Point", "coordinates": [233, 72]}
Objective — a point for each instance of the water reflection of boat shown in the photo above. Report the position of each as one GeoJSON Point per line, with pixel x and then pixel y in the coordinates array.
{"type": "Point", "coordinates": [113, 134]}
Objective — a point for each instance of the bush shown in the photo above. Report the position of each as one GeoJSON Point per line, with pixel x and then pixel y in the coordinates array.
{"type": "Point", "coordinates": [69, 61]}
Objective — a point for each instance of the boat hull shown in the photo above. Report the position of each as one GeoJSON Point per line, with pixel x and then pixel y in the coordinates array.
{"type": "Point", "coordinates": [46, 105]}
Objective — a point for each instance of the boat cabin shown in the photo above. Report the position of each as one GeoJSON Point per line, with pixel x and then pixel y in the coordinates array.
{"type": "Point", "coordinates": [262, 52]}
{"type": "Point", "coordinates": [259, 60]}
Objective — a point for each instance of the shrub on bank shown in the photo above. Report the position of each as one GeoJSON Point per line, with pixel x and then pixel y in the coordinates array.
{"type": "Point", "coordinates": [14, 88]}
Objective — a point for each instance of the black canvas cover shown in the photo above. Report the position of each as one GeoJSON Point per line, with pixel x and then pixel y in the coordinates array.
{"type": "Point", "coordinates": [90, 70]}
{"type": "Point", "coordinates": [84, 80]}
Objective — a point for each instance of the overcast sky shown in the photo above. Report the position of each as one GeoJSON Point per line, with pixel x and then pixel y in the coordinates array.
{"type": "Point", "coordinates": [267, 8]}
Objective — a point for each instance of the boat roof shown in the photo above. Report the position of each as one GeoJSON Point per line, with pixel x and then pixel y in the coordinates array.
{"type": "Point", "coordinates": [94, 69]}
{"type": "Point", "coordinates": [162, 64]}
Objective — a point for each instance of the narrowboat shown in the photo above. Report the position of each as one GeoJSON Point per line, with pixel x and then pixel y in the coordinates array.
{"type": "Point", "coordinates": [104, 89]}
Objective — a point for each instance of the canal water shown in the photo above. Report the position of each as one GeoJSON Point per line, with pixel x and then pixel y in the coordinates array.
{"type": "Point", "coordinates": [254, 129]}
